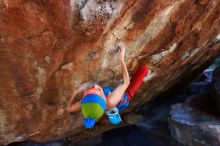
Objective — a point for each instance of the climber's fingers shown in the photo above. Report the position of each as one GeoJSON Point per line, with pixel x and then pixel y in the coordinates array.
{"type": "Point", "coordinates": [121, 51]}
{"type": "Point", "coordinates": [121, 45]}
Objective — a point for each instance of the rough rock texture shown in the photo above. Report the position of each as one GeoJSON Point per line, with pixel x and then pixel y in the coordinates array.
{"type": "Point", "coordinates": [194, 128]}
{"type": "Point", "coordinates": [48, 47]}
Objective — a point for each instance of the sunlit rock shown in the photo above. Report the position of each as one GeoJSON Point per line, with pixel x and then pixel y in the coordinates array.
{"type": "Point", "coordinates": [49, 47]}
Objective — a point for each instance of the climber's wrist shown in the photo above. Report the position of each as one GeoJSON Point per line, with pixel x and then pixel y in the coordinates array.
{"type": "Point", "coordinates": [122, 61]}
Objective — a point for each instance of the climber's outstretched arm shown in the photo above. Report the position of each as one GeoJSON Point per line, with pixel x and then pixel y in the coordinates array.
{"type": "Point", "coordinates": [76, 106]}
{"type": "Point", "coordinates": [115, 97]}
{"type": "Point", "coordinates": [73, 107]}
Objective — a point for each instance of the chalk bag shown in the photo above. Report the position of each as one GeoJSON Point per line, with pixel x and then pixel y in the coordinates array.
{"type": "Point", "coordinates": [113, 115]}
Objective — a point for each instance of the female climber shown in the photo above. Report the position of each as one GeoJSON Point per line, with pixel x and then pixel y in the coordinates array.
{"type": "Point", "coordinates": [97, 100]}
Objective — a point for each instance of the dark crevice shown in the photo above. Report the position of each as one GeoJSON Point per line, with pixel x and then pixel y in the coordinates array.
{"type": "Point", "coordinates": [34, 36]}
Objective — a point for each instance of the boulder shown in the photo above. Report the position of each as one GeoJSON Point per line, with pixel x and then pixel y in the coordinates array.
{"type": "Point", "coordinates": [48, 48]}
{"type": "Point", "coordinates": [192, 127]}
{"type": "Point", "coordinates": [216, 88]}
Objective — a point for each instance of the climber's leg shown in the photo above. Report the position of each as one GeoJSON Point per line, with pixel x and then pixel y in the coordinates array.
{"type": "Point", "coordinates": [136, 81]}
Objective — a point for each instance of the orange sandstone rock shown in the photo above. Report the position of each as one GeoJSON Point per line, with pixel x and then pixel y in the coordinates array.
{"type": "Point", "coordinates": [47, 48]}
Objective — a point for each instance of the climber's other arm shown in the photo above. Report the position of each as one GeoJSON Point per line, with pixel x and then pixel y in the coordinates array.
{"type": "Point", "coordinates": [76, 106]}
{"type": "Point", "coordinates": [73, 107]}
{"type": "Point", "coordinates": [115, 97]}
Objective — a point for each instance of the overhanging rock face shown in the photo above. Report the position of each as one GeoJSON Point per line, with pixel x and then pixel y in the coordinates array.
{"type": "Point", "coordinates": [49, 47]}
{"type": "Point", "coordinates": [192, 127]}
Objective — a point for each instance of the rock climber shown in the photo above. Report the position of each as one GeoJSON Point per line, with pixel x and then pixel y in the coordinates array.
{"type": "Point", "coordinates": [97, 100]}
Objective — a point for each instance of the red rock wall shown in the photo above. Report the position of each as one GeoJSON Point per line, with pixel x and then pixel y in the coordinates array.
{"type": "Point", "coordinates": [49, 47]}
